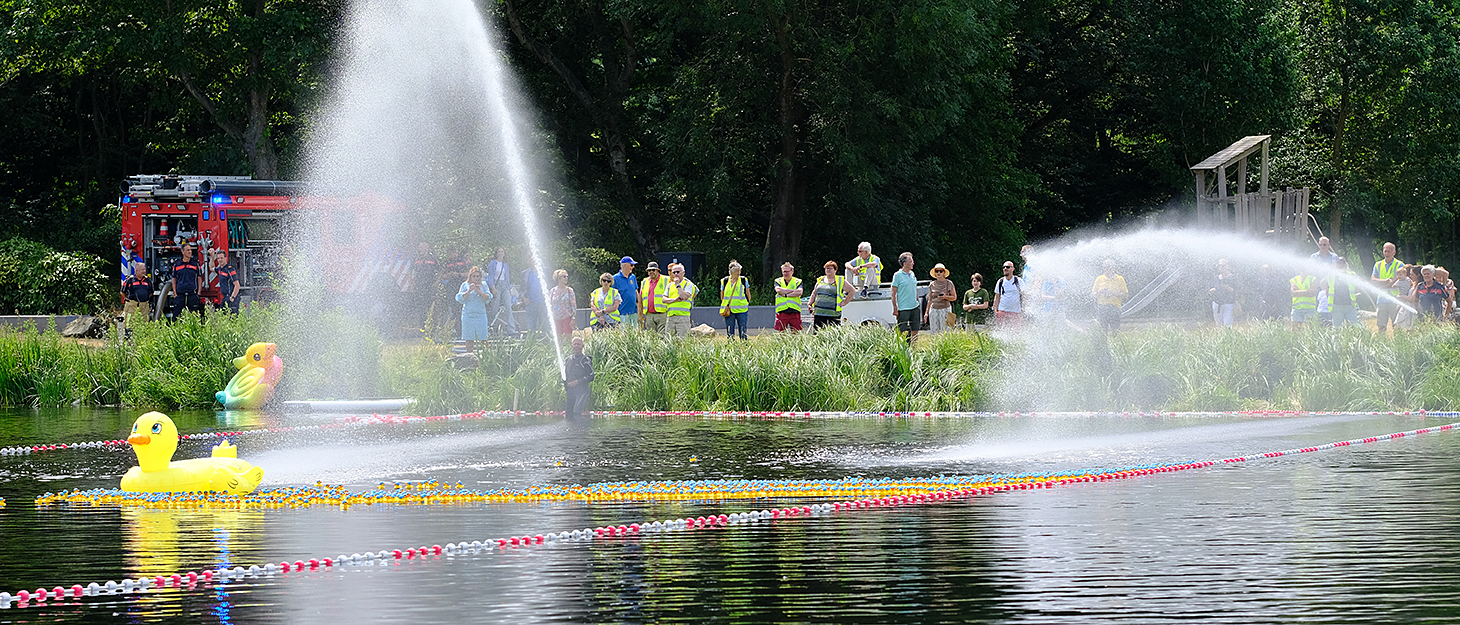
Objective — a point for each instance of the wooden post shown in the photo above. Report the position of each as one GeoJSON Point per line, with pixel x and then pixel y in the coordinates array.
{"type": "Point", "coordinates": [1201, 192]}
{"type": "Point", "coordinates": [1263, 188]}
{"type": "Point", "coordinates": [1242, 176]}
{"type": "Point", "coordinates": [1221, 220]}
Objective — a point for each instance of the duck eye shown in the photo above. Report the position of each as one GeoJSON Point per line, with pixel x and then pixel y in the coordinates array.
{"type": "Point", "coordinates": [134, 427]}
{"type": "Point", "coordinates": [156, 428]}
{"type": "Point", "coordinates": [258, 356]}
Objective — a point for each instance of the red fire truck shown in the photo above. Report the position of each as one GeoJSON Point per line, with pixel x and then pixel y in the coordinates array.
{"type": "Point", "coordinates": [249, 221]}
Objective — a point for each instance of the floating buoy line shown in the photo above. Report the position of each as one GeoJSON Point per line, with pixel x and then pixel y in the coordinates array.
{"type": "Point", "coordinates": [194, 579]}
{"type": "Point", "coordinates": [388, 419]}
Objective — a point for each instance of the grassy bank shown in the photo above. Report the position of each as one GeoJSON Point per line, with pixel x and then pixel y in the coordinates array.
{"type": "Point", "coordinates": [842, 369]}
{"type": "Point", "coordinates": [183, 364]}
{"type": "Point", "coordinates": [1265, 366]}
{"type": "Point", "coordinates": [331, 356]}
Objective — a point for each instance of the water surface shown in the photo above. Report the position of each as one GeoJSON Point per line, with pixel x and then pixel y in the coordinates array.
{"type": "Point", "coordinates": [1360, 534]}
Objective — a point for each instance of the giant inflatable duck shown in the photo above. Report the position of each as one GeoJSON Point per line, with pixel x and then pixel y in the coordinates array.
{"type": "Point", "coordinates": [258, 371]}
{"type": "Point", "coordinates": [154, 438]}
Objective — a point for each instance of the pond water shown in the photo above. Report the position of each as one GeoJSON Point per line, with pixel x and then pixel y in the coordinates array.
{"type": "Point", "coordinates": [1356, 534]}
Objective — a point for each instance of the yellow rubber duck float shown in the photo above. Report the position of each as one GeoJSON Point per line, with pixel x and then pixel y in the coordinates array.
{"type": "Point", "coordinates": [258, 371]}
{"type": "Point", "coordinates": [154, 439]}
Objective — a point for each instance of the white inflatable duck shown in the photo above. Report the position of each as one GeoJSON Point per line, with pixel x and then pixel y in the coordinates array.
{"type": "Point", "coordinates": [154, 439]}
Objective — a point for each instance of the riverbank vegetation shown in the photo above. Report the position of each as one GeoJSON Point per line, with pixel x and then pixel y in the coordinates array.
{"type": "Point", "coordinates": [1258, 367]}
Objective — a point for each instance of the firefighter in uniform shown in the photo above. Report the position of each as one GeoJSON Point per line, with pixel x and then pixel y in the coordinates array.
{"type": "Point", "coordinates": [137, 293]}
{"type": "Point", "coordinates": [187, 287]}
{"type": "Point", "coordinates": [228, 285]}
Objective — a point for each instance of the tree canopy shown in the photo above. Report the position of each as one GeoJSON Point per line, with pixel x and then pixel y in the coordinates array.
{"type": "Point", "coordinates": [789, 130]}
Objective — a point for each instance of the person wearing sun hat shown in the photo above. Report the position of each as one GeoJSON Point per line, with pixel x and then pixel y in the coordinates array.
{"type": "Point", "coordinates": [653, 301]}
{"type": "Point", "coordinates": [941, 294]}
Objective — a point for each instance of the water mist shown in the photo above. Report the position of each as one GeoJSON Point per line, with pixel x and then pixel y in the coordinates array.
{"type": "Point", "coordinates": [424, 123]}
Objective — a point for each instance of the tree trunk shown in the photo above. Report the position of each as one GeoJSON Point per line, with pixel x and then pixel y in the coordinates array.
{"type": "Point", "coordinates": [783, 237]}
{"type": "Point", "coordinates": [605, 113]}
{"type": "Point", "coordinates": [256, 142]}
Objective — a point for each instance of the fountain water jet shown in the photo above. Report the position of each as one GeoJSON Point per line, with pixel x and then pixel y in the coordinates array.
{"type": "Point", "coordinates": [425, 117]}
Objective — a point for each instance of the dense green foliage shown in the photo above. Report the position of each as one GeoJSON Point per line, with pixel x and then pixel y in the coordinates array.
{"type": "Point", "coordinates": [183, 364]}
{"type": "Point", "coordinates": [771, 130]}
{"type": "Point", "coordinates": [35, 279]}
{"type": "Point", "coordinates": [1263, 366]}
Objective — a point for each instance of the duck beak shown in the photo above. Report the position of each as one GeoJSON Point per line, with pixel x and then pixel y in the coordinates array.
{"type": "Point", "coordinates": [139, 439]}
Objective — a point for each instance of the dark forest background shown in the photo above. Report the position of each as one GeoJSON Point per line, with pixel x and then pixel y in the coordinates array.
{"type": "Point", "coordinates": [771, 130]}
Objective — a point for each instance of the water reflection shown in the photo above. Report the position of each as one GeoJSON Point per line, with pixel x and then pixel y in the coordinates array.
{"type": "Point", "coordinates": [1362, 534]}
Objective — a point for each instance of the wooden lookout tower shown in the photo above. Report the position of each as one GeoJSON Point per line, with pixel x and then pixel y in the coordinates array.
{"type": "Point", "coordinates": [1283, 214]}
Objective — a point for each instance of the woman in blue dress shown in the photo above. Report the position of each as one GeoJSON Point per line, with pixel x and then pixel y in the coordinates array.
{"type": "Point", "coordinates": [474, 296]}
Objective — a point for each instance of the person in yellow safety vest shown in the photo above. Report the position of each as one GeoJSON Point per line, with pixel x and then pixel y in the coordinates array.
{"type": "Point", "coordinates": [865, 271]}
{"type": "Point", "coordinates": [680, 297]}
{"type": "Point", "coordinates": [734, 300]}
{"type": "Point", "coordinates": [788, 299]}
{"type": "Point", "coordinates": [828, 296]}
{"type": "Point", "coordinates": [655, 317]}
{"type": "Point", "coordinates": [1386, 272]}
{"type": "Point", "coordinates": [1343, 296]}
{"type": "Point", "coordinates": [604, 301]}
{"type": "Point", "coordinates": [1305, 297]}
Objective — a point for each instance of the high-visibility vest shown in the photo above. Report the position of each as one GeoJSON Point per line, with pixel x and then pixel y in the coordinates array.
{"type": "Point", "coordinates": [862, 268]}
{"type": "Point", "coordinates": [1387, 272]}
{"type": "Point", "coordinates": [733, 296]}
{"type": "Point", "coordinates": [658, 293]}
{"type": "Point", "coordinates": [784, 303]}
{"type": "Point", "coordinates": [680, 309]}
{"type": "Point", "coordinates": [603, 299]}
{"type": "Point", "coordinates": [1353, 293]}
{"type": "Point", "coordinates": [1303, 302]}
{"type": "Point", "coordinates": [841, 289]}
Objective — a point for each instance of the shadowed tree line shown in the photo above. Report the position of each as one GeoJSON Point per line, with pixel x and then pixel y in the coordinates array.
{"type": "Point", "coordinates": [773, 130]}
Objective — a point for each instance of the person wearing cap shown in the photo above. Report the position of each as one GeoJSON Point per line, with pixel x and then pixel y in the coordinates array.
{"type": "Point", "coordinates": [941, 295]}
{"type": "Point", "coordinates": [905, 306]}
{"type": "Point", "coordinates": [679, 298]}
{"type": "Point", "coordinates": [864, 272]}
{"type": "Point", "coordinates": [788, 299]}
{"type": "Point", "coordinates": [604, 303]}
{"type": "Point", "coordinates": [187, 289]}
{"type": "Point", "coordinates": [499, 282]}
{"type": "Point", "coordinates": [828, 296]}
{"type": "Point", "coordinates": [627, 285]}
{"type": "Point", "coordinates": [655, 309]}
{"type": "Point", "coordinates": [734, 300]}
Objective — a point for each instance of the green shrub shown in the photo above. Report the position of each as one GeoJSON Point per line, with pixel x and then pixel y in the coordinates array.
{"type": "Point", "coordinates": [37, 280]}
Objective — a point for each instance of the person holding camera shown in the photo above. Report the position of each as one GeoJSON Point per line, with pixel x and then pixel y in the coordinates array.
{"type": "Point", "coordinates": [474, 296]}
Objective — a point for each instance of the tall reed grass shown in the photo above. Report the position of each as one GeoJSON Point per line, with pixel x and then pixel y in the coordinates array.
{"type": "Point", "coordinates": [848, 368]}
{"type": "Point", "coordinates": [183, 364]}
{"type": "Point", "coordinates": [1263, 366]}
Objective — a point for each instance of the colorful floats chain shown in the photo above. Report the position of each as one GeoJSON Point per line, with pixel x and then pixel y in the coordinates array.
{"type": "Point", "coordinates": [194, 579]}
{"type": "Point", "coordinates": [258, 373]}
{"type": "Point", "coordinates": [387, 419]}
{"type": "Point", "coordinates": [435, 493]}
